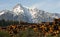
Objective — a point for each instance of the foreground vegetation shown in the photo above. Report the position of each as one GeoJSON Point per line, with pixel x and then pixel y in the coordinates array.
{"type": "Point", "coordinates": [45, 29]}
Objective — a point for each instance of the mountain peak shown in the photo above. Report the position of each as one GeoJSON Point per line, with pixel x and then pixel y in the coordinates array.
{"type": "Point", "coordinates": [18, 9]}
{"type": "Point", "coordinates": [18, 5]}
{"type": "Point", "coordinates": [33, 15]}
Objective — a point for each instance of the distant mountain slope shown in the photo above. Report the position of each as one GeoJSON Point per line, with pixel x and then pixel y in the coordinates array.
{"type": "Point", "coordinates": [21, 13]}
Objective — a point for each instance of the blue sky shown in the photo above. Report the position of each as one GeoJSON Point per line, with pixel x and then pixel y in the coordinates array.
{"type": "Point", "coordinates": [52, 6]}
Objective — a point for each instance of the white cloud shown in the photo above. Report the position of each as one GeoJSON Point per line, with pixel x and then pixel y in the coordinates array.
{"type": "Point", "coordinates": [47, 6]}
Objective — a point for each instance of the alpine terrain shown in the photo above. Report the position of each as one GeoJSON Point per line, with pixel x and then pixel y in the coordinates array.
{"type": "Point", "coordinates": [21, 13]}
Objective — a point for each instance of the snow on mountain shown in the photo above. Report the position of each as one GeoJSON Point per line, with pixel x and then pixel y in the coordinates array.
{"type": "Point", "coordinates": [18, 9]}
{"type": "Point", "coordinates": [6, 14]}
{"type": "Point", "coordinates": [1, 13]}
{"type": "Point", "coordinates": [21, 13]}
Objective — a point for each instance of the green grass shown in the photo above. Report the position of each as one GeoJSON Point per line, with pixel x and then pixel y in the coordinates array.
{"type": "Point", "coordinates": [4, 34]}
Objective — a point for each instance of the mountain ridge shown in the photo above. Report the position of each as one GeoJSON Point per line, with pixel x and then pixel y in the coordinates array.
{"type": "Point", "coordinates": [21, 13]}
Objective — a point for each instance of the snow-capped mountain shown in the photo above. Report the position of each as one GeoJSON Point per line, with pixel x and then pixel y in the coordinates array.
{"type": "Point", "coordinates": [6, 14]}
{"type": "Point", "coordinates": [21, 13]}
{"type": "Point", "coordinates": [18, 9]}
